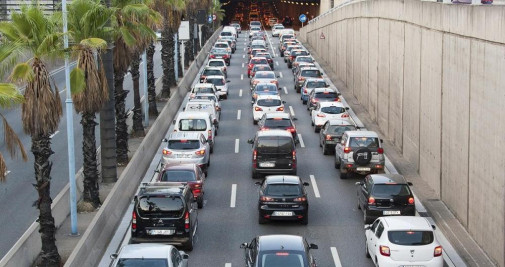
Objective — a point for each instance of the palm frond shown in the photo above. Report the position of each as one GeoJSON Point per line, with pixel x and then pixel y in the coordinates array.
{"type": "Point", "coordinates": [9, 95]}
{"type": "Point", "coordinates": [12, 140]}
{"type": "Point", "coordinates": [22, 72]}
{"type": "Point", "coordinates": [77, 80]}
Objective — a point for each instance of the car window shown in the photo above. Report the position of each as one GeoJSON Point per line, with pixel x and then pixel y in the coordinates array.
{"type": "Point", "coordinates": [282, 190]}
{"type": "Point", "coordinates": [176, 257]}
{"type": "Point", "coordinates": [269, 102]}
{"type": "Point", "coordinates": [327, 95]}
{"type": "Point", "coordinates": [144, 262]}
{"type": "Point", "coordinates": [265, 76]}
{"type": "Point", "coordinates": [274, 144]}
{"type": "Point", "coordinates": [216, 63]}
{"type": "Point", "coordinates": [337, 129]}
{"type": "Point", "coordinates": [380, 229]}
{"type": "Point", "coordinates": [183, 144]}
{"type": "Point", "coordinates": [265, 88]}
{"type": "Point", "coordinates": [282, 258]}
{"type": "Point", "coordinates": [310, 73]}
{"type": "Point", "coordinates": [192, 125]}
{"type": "Point", "coordinates": [212, 72]}
{"type": "Point", "coordinates": [411, 238]}
{"type": "Point", "coordinates": [178, 176]}
{"type": "Point", "coordinates": [215, 81]}
{"type": "Point", "coordinates": [153, 206]}
{"type": "Point", "coordinates": [317, 84]}
{"type": "Point", "coordinates": [280, 122]}
{"type": "Point", "coordinates": [391, 190]}
{"type": "Point", "coordinates": [370, 142]}
{"type": "Point", "coordinates": [304, 59]}
{"type": "Point", "coordinates": [333, 110]}
{"type": "Point", "coordinates": [204, 90]}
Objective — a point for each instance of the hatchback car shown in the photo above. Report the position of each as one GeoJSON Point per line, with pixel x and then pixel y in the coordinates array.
{"type": "Point", "coordinates": [304, 73]}
{"type": "Point", "coordinates": [220, 53]}
{"type": "Point", "coordinates": [260, 67]}
{"type": "Point", "coordinates": [308, 85]}
{"type": "Point", "coordinates": [268, 57]}
{"type": "Point", "coordinates": [218, 63]}
{"type": "Point", "coordinates": [385, 195]}
{"type": "Point", "coordinates": [294, 54]}
{"type": "Point", "coordinates": [156, 255]}
{"type": "Point", "coordinates": [298, 59]}
{"type": "Point", "coordinates": [331, 133]}
{"type": "Point", "coordinates": [283, 197]}
{"type": "Point", "coordinates": [359, 152]}
{"type": "Point", "coordinates": [186, 147]}
{"type": "Point", "coordinates": [264, 89]}
{"type": "Point", "coordinates": [266, 104]}
{"type": "Point", "coordinates": [279, 250]}
{"type": "Point", "coordinates": [403, 241]}
{"type": "Point", "coordinates": [223, 44]}
{"type": "Point", "coordinates": [264, 77]}
{"type": "Point", "coordinates": [278, 121]}
{"type": "Point", "coordinates": [221, 84]}
{"type": "Point", "coordinates": [326, 111]}
{"type": "Point", "coordinates": [255, 61]}
{"type": "Point", "coordinates": [318, 95]}
{"type": "Point", "coordinates": [210, 71]}
{"type": "Point", "coordinates": [203, 88]}
{"type": "Point", "coordinates": [276, 30]}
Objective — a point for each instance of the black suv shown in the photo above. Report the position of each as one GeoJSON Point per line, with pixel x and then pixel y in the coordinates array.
{"type": "Point", "coordinates": [274, 151]}
{"type": "Point", "coordinates": [384, 195]}
{"type": "Point", "coordinates": [283, 197]}
{"type": "Point", "coordinates": [164, 214]}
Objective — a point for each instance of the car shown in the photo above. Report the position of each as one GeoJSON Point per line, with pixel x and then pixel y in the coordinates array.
{"type": "Point", "coordinates": [261, 34]}
{"type": "Point", "coordinates": [264, 89]}
{"type": "Point", "coordinates": [296, 70]}
{"type": "Point", "coordinates": [220, 63]}
{"type": "Point", "coordinates": [325, 94]}
{"type": "Point", "coordinates": [282, 197]}
{"type": "Point", "coordinates": [298, 59]}
{"type": "Point", "coordinates": [265, 104]}
{"type": "Point", "coordinates": [287, 52]}
{"type": "Point", "coordinates": [257, 44]}
{"type": "Point", "coordinates": [385, 195]}
{"type": "Point", "coordinates": [205, 88]}
{"type": "Point", "coordinates": [403, 241]}
{"type": "Point", "coordinates": [326, 111]}
{"type": "Point", "coordinates": [223, 45]}
{"type": "Point", "coordinates": [255, 23]}
{"type": "Point", "coordinates": [212, 97]}
{"type": "Point", "coordinates": [268, 57]}
{"type": "Point", "coordinates": [205, 105]}
{"type": "Point", "coordinates": [186, 147]}
{"type": "Point", "coordinates": [196, 121]}
{"type": "Point", "coordinates": [259, 67]}
{"type": "Point", "coordinates": [155, 254]}
{"type": "Point", "coordinates": [278, 121]}
{"type": "Point", "coordinates": [237, 27]}
{"type": "Point", "coordinates": [294, 54]}
{"type": "Point", "coordinates": [164, 214]}
{"type": "Point", "coordinates": [256, 51]}
{"type": "Point", "coordinates": [290, 32]}
{"type": "Point", "coordinates": [276, 30]}
{"type": "Point", "coordinates": [272, 22]}
{"type": "Point", "coordinates": [253, 30]}
{"type": "Point", "coordinates": [282, 36]}
{"type": "Point", "coordinates": [279, 250]}
{"type": "Point", "coordinates": [220, 53]}
{"type": "Point", "coordinates": [308, 85]}
{"type": "Point", "coordinates": [304, 73]}
{"type": "Point", "coordinates": [208, 71]}
{"type": "Point", "coordinates": [232, 42]}
{"type": "Point", "coordinates": [332, 131]}
{"type": "Point", "coordinates": [226, 33]}
{"type": "Point", "coordinates": [231, 29]}
{"type": "Point", "coordinates": [264, 77]}
{"type": "Point", "coordinates": [221, 84]}
{"type": "Point", "coordinates": [253, 61]}
{"type": "Point", "coordinates": [359, 152]}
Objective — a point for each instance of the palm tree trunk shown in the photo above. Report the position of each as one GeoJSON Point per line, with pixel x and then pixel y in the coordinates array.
{"type": "Point", "coordinates": [190, 44]}
{"type": "Point", "coordinates": [151, 89]}
{"type": "Point", "coordinates": [90, 165]}
{"type": "Point", "coordinates": [179, 61]}
{"type": "Point", "coordinates": [138, 128]}
{"type": "Point", "coordinates": [121, 127]}
{"type": "Point", "coordinates": [167, 60]}
{"type": "Point", "coordinates": [41, 149]}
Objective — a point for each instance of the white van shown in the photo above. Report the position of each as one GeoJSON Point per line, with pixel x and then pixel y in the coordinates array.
{"type": "Point", "coordinates": [195, 121]}
{"type": "Point", "coordinates": [204, 105]}
{"type": "Point", "coordinates": [231, 29]}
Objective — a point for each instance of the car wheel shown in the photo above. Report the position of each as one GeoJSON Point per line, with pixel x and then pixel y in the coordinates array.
{"type": "Point", "coordinates": [199, 201]}
{"type": "Point", "coordinates": [212, 148]}
{"type": "Point", "coordinates": [343, 175]}
{"type": "Point", "coordinates": [304, 102]}
{"type": "Point", "coordinates": [367, 254]}
{"type": "Point", "coordinates": [188, 246]}
{"type": "Point", "coordinates": [261, 220]}
{"type": "Point", "coordinates": [305, 219]}
{"type": "Point", "coordinates": [255, 175]}
{"type": "Point", "coordinates": [255, 122]}
{"type": "Point", "coordinates": [316, 129]}
{"type": "Point", "coordinates": [325, 150]}
{"type": "Point", "coordinates": [337, 163]}
{"type": "Point", "coordinates": [312, 123]}
{"type": "Point", "coordinates": [321, 144]}
{"type": "Point", "coordinates": [357, 204]}
{"type": "Point", "coordinates": [366, 218]}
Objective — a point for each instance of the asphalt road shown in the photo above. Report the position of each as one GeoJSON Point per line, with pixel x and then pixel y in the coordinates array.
{"type": "Point", "coordinates": [17, 195]}
{"type": "Point", "coordinates": [225, 222]}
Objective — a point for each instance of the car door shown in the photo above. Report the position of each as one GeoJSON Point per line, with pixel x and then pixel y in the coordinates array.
{"type": "Point", "coordinates": [371, 241]}
{"type": "Point", "coordinates": [206, 145]}
{"type": "Point", "coordinates": [251, 253]}
{"type": "Point", "coordinates": [339, 150]}
{"type": "Point", "coordinates": [363, 193]}
{"type": "Point", "coordinates": [322, 133]}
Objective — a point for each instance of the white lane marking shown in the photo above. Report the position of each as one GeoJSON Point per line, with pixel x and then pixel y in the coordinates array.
{"type": "Point", "coordinates": [241, 76]}
{"type": "Point", "coordinates": [237, 145]}
{"type": "Point", "coordinates": [302, 144]}
{"type": "Point", "coordinates": [276, 63]}
{"type": "Point", "coordinates": [280, 74]}
{"type": "Point", "coordinates": [52, 135]}
{"type": "Point", "coordinates": [239, 112]}
{"type": "Point", "coordinates": [336, 258]}
{"type": "Point", "coordinates": [273, 50]}
{"type": "Point", "coordinates": [314, 186]}
{"type": "Point", "coordinates": [240, 92]}
{"type": "Point", "coordinates": [227, 265]}
{"type": "Point", "coordinates": [243, 56]}
{"type": "Point", "coordinates": [285, 90]}
{"type": "Point", "coordinates": [291, 111]}
{"type": "Point", "coordinates": [243, 65]}
{"type": "Point", "coordinates": [233, 198]}
{"type": "Point", "coordinates": [245, 42]}
{"type": "Point", "coordinates": [7, 172]}
{"type": "Point", "coordinates": [244, 48]}
{"type": "Point", "coordinates": [62, 91]}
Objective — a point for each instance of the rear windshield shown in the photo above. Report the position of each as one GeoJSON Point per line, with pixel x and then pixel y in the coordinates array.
{"type": "Point", "coordinates": [255, 29]}
{"type": "Point", "coordinates": [259, 61]}
{"type": "Point", "coordinates": [209, 97]}
{"type": "Point", "coordinates": [370, 142]}
{"type": "Point", "coordinates": [215, 81]}
{"type": "Point", "coordinates": [310, 73]}
{"type": "Point", "coordinates": [216, 63]}
{"type": "Point", "coordinates": [264, 75]}
{"type": "Point", "coordinates": [277, 122]}
{"type": "Point", "coordinates": [261, 68]}
{"type": "Point", "coordinates": [226, 34]}
{"type": "Point", "coordinates": [156, 206]}
{"type": "Point", "coordinates": [212, 72]}
{"type": "Point", "coordinates": [304, 59]}
{"type": "Point", "coordinates": [287, 36]}
{"type": "Point", "coordinates": [326, 95]}
{"type": "Point", "coordinates": [257, 46]}
{"type": "Point", "coordinates": [282, 258]}
{"type": "Point", "coordinates": [178, 176]}
{"type": "Point", "coordinates": [275, 144]}
{"type": "Point", "coordinates": [142, 262]}
{"type": "Point", "coordinates": [317, 84]}
{"type": "Point", "coordinates": [183, 144]}
{"type": "Point", "coordinates": [282, 190]}
{"type": "Point", "coordinates": [300, 53]}
{"type": "Point", "coordinates": [269, 102]}
{"type": "Point", "coordinates": [333, 110]}
{"type": "Point", "coordinates": [218, 51]}
{"type": "Point", "coordinates": [192, 125]}
{"type": "Point", "coordinates": [266, 88]}
{"type": "Point", "coordinates": [391, 190]}
{"type": "Point", "coordinates": [340, 129]}
{"type": "Point", "coordinates": [204, 90]}
{"type": "Point", "coordinates": [410, 238]}
{"type": "Point", "coordinates": [221, 45]}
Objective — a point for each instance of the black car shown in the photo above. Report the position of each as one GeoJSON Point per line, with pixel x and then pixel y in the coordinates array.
{"type": "Point", "coordinates": [331, 133]}
{"type": "Point", "coordinates": [274, 151]}
{"type": "Point", "coordinates": [164, 214]}
{"type": "Point", "coordinates": [384, 195]}
{"type": "Point", "coordinates": [278, 121]}
{"type": "Point", "coordinates": [283, 197]}
{"type": "Point", "coordinates": [279, 250]}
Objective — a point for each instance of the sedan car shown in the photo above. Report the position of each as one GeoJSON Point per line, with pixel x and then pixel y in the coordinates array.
{"type": "Point", "coordinates": [203, 88]}
{"type": "Point", "coordinates": [331, 133]}
{"type": "Point", "coordinates": [255, 61]}
{"type": "Point", "coordinates": [264, 77]}
{"type": "Point", "coordinates": [264, 89]}
{"type": "Point", "coordinates": [208, 71]}
{"type": "Point", "coordinates": [260, 67]}
{"type": "Point", "coordinates": [278, 121]}
{"type": "Point", "coordinates": [403, 241]}
{"type": "Point", "coordinates": [186, 147]}
{"type": "Point", "coordinates": [265, 104]}
{"type": "Point", "coordinates": [326, 111]}
{"type": "Point", "coordinates": [304, 73]}
{"type": "Point", "coordinates": [298, 59]}
{"type": "Point", "coordinates": [257, 51]}
{"type": "Point", "coordinates": [218, 63]}
{"type": "Point", "coordinates": [283, 197]}
{"type": "Point", "coordinates": [321, 95]}
{"type": "Point", "coordinates": [223, 44]}
{"type": "Point", "coordinates": [276, 29]}
{"type": "Point", "coordinates": [221, 84]}
{"type": "Point", "coordinates": [308, 85]}
{"type": "Point", "coordinates": [268, 57]}
{"type": "Point", "coordinates": [159, 255]}
{"type": "Point", "coordinates": [220, 53]}
{"type": "Point", "coordinates": [294, 54]}
{"type": "Point", "coordinates": [254, 29]}
{"type": "Point", "coordinates": [279, 250]}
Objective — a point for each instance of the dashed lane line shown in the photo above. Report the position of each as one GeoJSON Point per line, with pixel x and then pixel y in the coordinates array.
{"type": "Point", "coordinates": [240, 92]}
{"type": "Point", "coordinates": [336, 258]}
{"type": "Point", "coordinates": [233, 198]}
{"type": "Point", "coordinates": [285, 90]}
{"type": "Point", "coordinates": [227, 265]}
{"type": "Point", "coordinates": [241, 76]}
{"type": "Point", "coordinates": [52, 135]}
{"type": "Point", "coordinates": [302, 144]}
{"type": "Point", "coordinates": [237, 145]}
{"type": "Point", "coordinates": [276, 63]}
{"type": "Point", "coordinates": [280, 74]}
{"type": "Point", "coordinates": [314, 186]}
{"type": "Point", "coordinates": [291, 110]}
{"type": "Point", "coordinates": [243, 65]}
{"type": "Point", "coordinates": [243, 56]}
{"type": "Point", "coordinates": [239, 112]}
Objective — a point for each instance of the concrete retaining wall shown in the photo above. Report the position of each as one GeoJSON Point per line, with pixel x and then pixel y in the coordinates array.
{"type": "Point", "coordinates": [431, 76]}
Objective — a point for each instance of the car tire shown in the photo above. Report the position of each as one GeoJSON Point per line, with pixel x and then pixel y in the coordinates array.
{"type": "Point", "coordinates": [255, 122]}
{"type": "Point", "coordinates": [188, 246]}
{"type": "Point", "coordinates": [366, 218]}
{"type": "Point", "coordinates": [255, 175]}
{"type": "Point", "coordinates": [357, 204]}
{"type": "Point", "coordinates": [261, 220]}
{"type": "Point", "coordinates": [343, 175]}
{"type": "Point", "coordinates": [337, 163]}
{"type": "Point", "coordinates": [212, 149]}
{"type": "Point", "coordinates": [304, 102]}
{"type": "Point", "coordinates": [367, 254]}
{"type": "Point", "coordinates": [305, 219]}
{"type": "Point", "coordinates": [317, 129]}
{"type": "Point", "coordinates": [199, 201]}
{"type": "Point", "coordinates": [312, 123]}
{"type": "Point", "coordinates": [321, 144]}
{"type": "Point", "coordinates": [325, 150]}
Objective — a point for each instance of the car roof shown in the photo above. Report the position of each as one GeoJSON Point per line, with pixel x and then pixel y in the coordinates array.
{"type": "Point", "coordinates": [216, 59]}
{"type": "Point", "coordinates": [268, 97]}
{"type": "Point", "coordinates": [183, 135]}
{"type": "Point", "coordinates": [386, 178]}
{"type": "Point", "coordinates": [324, 89]}
{"type": "Point", "coordinates": [406, 223]}
{"type": "Point", "coordinates": [192, 114]}
{"type": "Point", "coordinates": [152, 251]}
{"type": "Point", "coordinates": [203, 85]}
{"type": "Point", "coordinates": [362, 134]}
{"type": "Point", "coordinates": [309, 68]}
{"type": "Point", "coordinates": [212, 68]}
{"type": "Point", "coordinates": [258, 58]}
{"type": "Point", "coordinates": [264, 71]}
{"type": "Point", "coordinates": [180, 166]}
{"type": "Point", "coordinates": [274, 133]}
{"type": "Point", "coordinates": [282, 179]}
{"type": "Point", "coordinates": [280, 242]}
{"type": "Point", "coordinates": [311, 79]}
{"type": "Point", "coordinates": [331, 104]}
{"type": "Point", "coordinates": [342, 122]}
{"type": "Point", "coordinates": [215, 76]}
{"type": "Point", "coordinates": [272, 115]}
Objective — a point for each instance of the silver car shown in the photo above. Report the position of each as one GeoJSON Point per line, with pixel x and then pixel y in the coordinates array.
{"type": "Point", "coordinates": [154, 254]}
{"type": "Point", "coordinates": [187, 147]}
{"type": "Point", "coordinates": [221, 84]}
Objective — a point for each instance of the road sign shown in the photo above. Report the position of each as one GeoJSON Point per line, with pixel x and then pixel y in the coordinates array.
{"type": "Point", "coordinates": [209, 19]}
{"type": "Point", "coordinates": [214, 17]}
{"type": "Point", "coordinates": [302, 18]}
{"type": "Point", "coordinates": [322, 36]}
{"type": "Point", "coordinates": [184, 30]}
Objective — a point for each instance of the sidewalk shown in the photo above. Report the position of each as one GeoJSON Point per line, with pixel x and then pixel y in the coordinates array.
{"type": "Point", "coordinates": [467, 251]}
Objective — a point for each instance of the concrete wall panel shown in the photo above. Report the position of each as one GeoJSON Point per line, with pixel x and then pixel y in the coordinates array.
{"type": "Point", "coordinates": [383, 77]}
{"type": "Point", "coordinates": [373, 61]}
{"type": "Point", "coordinates": [396, 55]}
{"type": "Point", "coordinates": [349, 50]}
{"type": "Point", "coordinates": [356, 57]}
{"type": "Point", "coordinates": [364, 63]}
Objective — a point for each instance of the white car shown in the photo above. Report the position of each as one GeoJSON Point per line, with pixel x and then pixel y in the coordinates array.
{"type": "Point", "coordinates": [254, 30]}
{"type": "Point", "coordinates": [325, 111]}
{"type": "Point", "coordinates": [276, 30]}
{"type": "Point", "coordinates": [212, 97]}
{"type": "Point", "coordinates": [264, 77]}
{"type": "Point", "coordinates": [203, 88]}
{"type": "Point", "coordinates": [220, 82]}
{"type": "Point", "coordinates": [155, 254]}
{"type": "Point", "coordinates": [223, 44]}
{"type": "Point", "coordinates": [403, 241]}
{"type": "Point", "coordinates": [218, 63]}
{"type": "Point", "coordinates": [266, 104]}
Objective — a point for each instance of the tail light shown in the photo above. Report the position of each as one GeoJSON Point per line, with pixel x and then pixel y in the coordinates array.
{"type": "Point", "coordinates": [292, 57]}
{"type": "Point", "coordinates": [200, 152]}
{"type": "Point", "coordinates": [347, 149]}
{"type": "Point", "coordinates": [134, 221]}
{"type": "Point", "coordinates": [305, 91]}
{"type": "Point", "coordinates": [336, 99]}
{"type": "Point", "coordinates": [345, 115]}
{"type": "Point", "coordinates": [255, 153]}
{"type": "Point", "coordinates": [300, 199]}
{"type": "Point", "coordinates": [258, 109]}
{"type": "Point", "coordinates": [380, 150]}
{"type": "Point", "coordinates": [209, 134]}
{"type": "Point", "coordinates": [275, 82]}
{"type": "Point", "coordinates": [301, 78]}
{"type": "Point", "coordinates": [411, 200]}
{"type": "Point", "coordinates": [328, 137]}
{"type": "Point", "coordinates": [294, 154]}
{"type": "Point", "coordinates": [291, 129]}
{"type": "Point", "coordinates": [256, 82]}
{"type": "Point", "coordinates": [250, 66]}
{"type": "Point", "coordinates": [313, 100]}
{"type": "Point", "coordinates": [321, 115]}
{"type": "Point", "coordinates": [186, 220]}
{"type": "Point", "coordinates": [263, 198]}
{"type": "Point", "coordinates": [203, 77]}
{"type": "Point", "coordinates": [225, 56]}
{"type": "Point", "coordinates": [371, 201]}
{"type": "Point", "coordinates": [280, 109]}
{"type": "Point", "coordinates": [212, 56]}
{"type": "Point", "coordinates": [167, 152]}
{"type": "Point", "coordinates": [437, 252]}
{"type": "Point", "coordinates": [385, 251]}
{"type": "Point", "coordinates": [196, 188]}
{"type": "Point", "coordinates": [263, 128]}
{"type": "Point", "coordinates": [218, 108]}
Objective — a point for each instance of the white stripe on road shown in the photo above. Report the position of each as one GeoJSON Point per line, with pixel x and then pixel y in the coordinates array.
{"type": "Point", "coordinates": [291, 110]}
{"type": "Point", "coordinates": [237, 145]}
{"type": "Point", "coordinates": [7, 172]}
{"type": "Point", "coordinates": [240, 92]}
{"type": "Point", "coordinates": [285, 90]}
{"type": "Point", "coordinates": [244, 48]}
{"type": "Point", "coordinates": [336, 258]}
{"type": "Point", "coordinates": [280, 74]}
{"type": "Point", "coordinates": [302, 144]}
{"type": "Point", "coordinates": [233, 195]}
{"type": "Point", "coordinates": [314, 186]}
{"type": "Point", "coordinates": [55, 133]}
{"type": "Point", "coordinates": [227, 265]}
{"type": "Point", "coordinates": [239, 112]}
{"type": "Point", "coordinates": [243, 56]}
{"type": "Point", "coordinates": [241, 76]}
{"type": "Point", "coordinates": [242, 65]}
{"type": "Point", "coordinates": [276, 63]}
{"type": "Point", "coordinates": [62, 90]}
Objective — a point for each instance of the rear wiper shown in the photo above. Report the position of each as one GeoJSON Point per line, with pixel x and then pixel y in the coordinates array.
{"type": "Point", "coordinates": [290, 195]}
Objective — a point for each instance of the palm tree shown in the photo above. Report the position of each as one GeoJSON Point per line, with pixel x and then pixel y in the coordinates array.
{"type": "Point", "coordinates": [31, 31]}
{"type": "Point", "coordinates": [151, 86]}
{"type": "Point", "coordinates": [9, 95]}
{"type": "Point", "coordinates": [88, 31]}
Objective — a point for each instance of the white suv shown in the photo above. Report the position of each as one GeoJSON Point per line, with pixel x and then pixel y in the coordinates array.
{"type": "Point", "coordinates": [403, 241]}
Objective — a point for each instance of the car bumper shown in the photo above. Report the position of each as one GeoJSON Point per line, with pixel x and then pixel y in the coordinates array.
{"type": "Point", "coordinates": [257, 115]}
{"type": "Point", "coordinates": [318, 122]}
{"type": "Point", "coordinates": [376, 212]}
{"type": "Point", "coordinates": [330, 144]}
{"type": "Point", "coordinates": [369, 168]}
{"type": "Point", "coordinates": [387, 261]}
{"type": "Point", "coordinates": [198, 161]}
{"type": "Point", "coordinates": [305, 97]}
{"type": "Point", "coordinates": [171, 240]}
{"type": "Point", "coordinates": [222, 92]}
{"type": "Point", "coordinates": [275, 171]}
{"type": "Point", "coordinates": [298, 212]}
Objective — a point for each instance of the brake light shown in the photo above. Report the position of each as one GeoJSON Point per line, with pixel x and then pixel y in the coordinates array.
{"type": "Point", "coordinates": [291, 129]}
{"type": "Point", "coordinates": [167, 152]}
{"type": "Point", "coordinates": [256, 82]}
{"type": "Point", "coordinates": [380, 150]}
{"type": "Point", "coordinates": [305, 91]}
{"type": "Point", "coordinates": [313, 100]}
{"type": "Point", "coordinates": [385, 251]}
{"type": "Point", "coordinates": [321, 115]}
{"type": "Point", "coordinates": [134, 220]}
{"type": "Point", "coordinates": [212, 56]}
{"type": "Point", "coordinates": [371, 201]}
{"type": "Point", "coordinates": [258, 109]}
{"type": "Point", "coordinates": [345, 115]}
{"type": "Point", "coordinates": [438, 251]}
{"type": "Point", "coordinates": [218, 108]}
{"type": "Point", "coordinates": [347, 149]}
{"type": "Point", "coordinates": [276, 82]}
{"type": "Point", "coordinates": [209, 134]}
{"type": "Point", "coordinates": [336, 99]}
{"type": "Point", "coordinates": [225, 56]}
{"type": "Point", "coordinates": [411, 200]}
{"type": "Point", "coordinates": [328, 137]}
{"type": "Point", "coordinates": [254, 158]}
{"type": "Point", "coordinates": [263, 198]}
{"type": "Point", "coordinates": [301, 78]}
{"type": "Point", "coordinates": [186, 220]}
{"type": "Point", "coordinates": [292, 57]}
{"type": "Point", "coordinates": [282, 253]}
{"type": "Point", "coordinates": [294, 154]}
{"type": "Point", "coordinates": [250, 66]}
{"type": "Point", "coordinates": [300, 199]}
{"type": "Point", "coordinates": [200, 152]}
{"type": "Point", "coordinates": [203, 77]}
{"type": "Point", "coordinates": [280, 109]}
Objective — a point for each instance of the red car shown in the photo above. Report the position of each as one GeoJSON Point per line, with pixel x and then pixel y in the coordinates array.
{"type": "Point", "coordinates": [254, 61]}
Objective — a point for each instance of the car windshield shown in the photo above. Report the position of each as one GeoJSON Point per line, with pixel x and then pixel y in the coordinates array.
{"type": "Point", "coordinates": [267, 75]}
{"type": "Point", "coordinates": [256, 46]}
{"type": "Point", "coordinates": [333, 110]}
{"type": "Point", "coordinates": [261, 68]}
{"type": "Point", "coordinates": [310, 73]}
{"type": "Point", "coordinates": [411, 238]}
{"type": "Point", "coordinates": [218, 51]}
{"type": "Point", "coordinates": [142, 262]}
{"type": "Point", "coordinates": [269, 102]}
{"type": "Point", "coordinates": [338, 129]}
{"type": "Point", "coordinates": [205, 90]}
{"type": "Point", "coordinates": [178, 176]}
{"type": "Point", "coordinates": [255, 29]}
{"type": "Point", "coordinates": [259, 61]}
{"type": "Point", "coordinates": [282, 190]}
{"type": "Point", "coordinates": [282, 258]}
{"type": "Point", "coordinates": [278, 27]}
{"type": "Point", "coordinates": [370, 142]}
{"type": "Point", "coordinates": [277, 123]}
{"type": "Point", "coordinates": [192, 125]}
{"type": "Point", "coordinates": [215, 81]}
{"type": "Point", "coordinates": [156, 206]}
{"type": "Point", "coordinates": [212, 72]}
{"type": "Point", "coordinates": [221, 45]}
{"type": "Point", "coordinates": [183, 144]}
{"type": "Point", "coordinates": [216, 63]}
{"type": "Point", "coordinates": [264, 55]}
{"type": "Point", "coordinates": [226, 34]}
{"type": "Point", "coordinates": [391, 190]}
{"type": "Point", "coordinates": [275, 144]}
{"type": "Point", "coordinates": [209, 97]}
{"type": "Point", "coordinates": [323, 95]}
{"type": "Point", "coordinates": [317, 84]}
{"type": "Point", "coordinates": [266, 88]}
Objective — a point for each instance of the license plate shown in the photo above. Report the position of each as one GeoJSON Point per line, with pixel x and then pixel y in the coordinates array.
{"type": "Point", "coordinates": [282, 213]}
{"type": "Point", "coordinates": [160, 232]}
{"type": "Point", "coordinates": [391, 212]}
{"type": "Point", "coordinates": [183, 156]}
{"type": "Point", "coordinates": [267, 164]}
{"type": "Point", "coordinates": [218, 57]}
{"type": "Point", "coordinates": [363, 169]}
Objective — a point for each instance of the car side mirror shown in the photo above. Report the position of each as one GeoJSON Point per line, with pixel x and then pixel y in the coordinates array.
{"type": "Point", "coordinates": [113, 256]}
{"type": "Point", "coordinates": [252, 102]}
{"type": "Point", "coordinates": [250, 141]}
{"type": "Point", "coordinates": [278, 76]}
{"type": "Point", "coordinates": [295, 118]}
{"type": "Point", "coordinates": [257, 183]}
{"type": "Point", "coordinates": [322, 73]}
{"type": "Point", "coordinates": [359, 183]}
{"type": "Point", "coordinates": [214, 122]}
{"type": "Point", "coordinates": [313, 246]}
{"type": "Point", "coordinates": [185, 256]}
{"type": "Point", "coordinates": [305, 184]}
{"type": "Point", "coordinates": [173, 122]}
{"type": "Point", "coordinates": [433, 227]}
{"type": "Point", "coordinates": [164, 140]}
{"type": "Point", "coordinates": [382, 141]}
{"type": "Point", "coordinates": [346, 108]}
{"type": "Point", "coordinates": [410, 183]}
{"type": "Point", "coordinates": [227, 81]}
{"type": "Point", "coordinates": [243, 245]}
{"type": "Point", "coordinates": [297, 141]}
{"type": "Point", "coordinates": [184, 108]}
{"type": "Point", "coordinates": [367, 227]}
{"type": "Point", "coordinates": [283, 102]}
